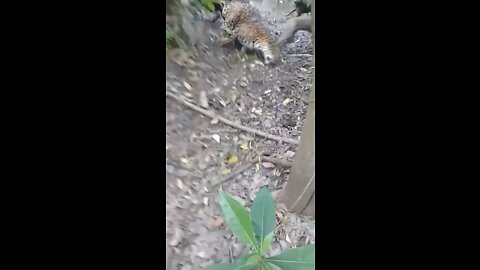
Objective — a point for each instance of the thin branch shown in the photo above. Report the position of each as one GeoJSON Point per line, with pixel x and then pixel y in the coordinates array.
{"type": "Point", "coordinates": [235, 173]}
{"type": "Point", "coordinates": [248, 165]}
{"type": "Point", "coordinates": [300, 55]}
{"type": "Point", "coordinates": [278, 161]}
{"type": "Point", "coordinates": [231, 123]}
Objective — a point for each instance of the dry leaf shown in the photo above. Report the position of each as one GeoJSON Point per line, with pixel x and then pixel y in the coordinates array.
{"type": "Point", "coordinates": [216, 137]}
{"type": "Point", "coordinates": [218, 222]}
{"type": "Point", "coordinates": [203, 99]}
{"type": "Point", "coordinates": [177, 237]}
{"type": "Point", "coordinates": [179, 184]}
{"type": "Point", "coordinates": [233, 160]}
{"type": "Point", "coordinates": [187, 86]}
{"type": "Point", "coordinates": [267, 91]}
{"type": "Point", "coordinates": [226, 171]}
{"type": "Point", "coordinates": [234, 97]}
{"type": "Point", "coordinates": [289, 154]}
{"type": "Point", "coordinates": [286, 101]}
{"type": "Point", "coordinates": [244, 146]}
{"type": "Point", "coordinates": [268, 165]}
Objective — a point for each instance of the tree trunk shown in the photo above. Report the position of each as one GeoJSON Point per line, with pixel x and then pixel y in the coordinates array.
{"type": "Point", "coordinates": [294, 25]}
{"type": "Point", "coordinates": [299, 193]}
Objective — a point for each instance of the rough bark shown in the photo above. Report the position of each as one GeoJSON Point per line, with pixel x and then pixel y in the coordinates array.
{"type": "Point", "coordinates": [299, 193]}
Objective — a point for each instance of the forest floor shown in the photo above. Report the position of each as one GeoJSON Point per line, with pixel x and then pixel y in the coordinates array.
{"type": "Point", "coordinates": [202, 151]}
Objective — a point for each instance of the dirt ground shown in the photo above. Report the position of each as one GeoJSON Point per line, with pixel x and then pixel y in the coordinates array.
{"type": "Point", "coordinates": [272, 99]}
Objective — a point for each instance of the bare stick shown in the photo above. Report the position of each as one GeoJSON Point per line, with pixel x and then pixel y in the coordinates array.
{"type": "Point", "coordinates": [248, 165]}
{"type": "Point", "coordinates": [235, 173]}
{"type": "Point", "coordinates": [231, 123]}
{"type": "Point", "coordinates": [278, 161]}
{"type": "Point", "coordinates": [230, 251]}
{"type": "Point", "coordinates": [300, 55]}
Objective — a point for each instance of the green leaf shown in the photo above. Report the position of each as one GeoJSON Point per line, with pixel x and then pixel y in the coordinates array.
{"type": "Point", "coordinates": [263, 214]}
{"type": "Point", "coordinates": [238, 220]}
{"type": "Point", "coordinates": [208, 4]}
{"type": "Point", "coordinates": [246, 257]}
{"type": "Point", "coordinates": [266, 243]}
{"type": "Point", "coordinates": [269, 266]}
{"type": "Point", "coordinates": [302, 258]}
{"type": "Point", "coordinates": [254, 260]}
{"type": "Point", "coordinates": [229, 266]}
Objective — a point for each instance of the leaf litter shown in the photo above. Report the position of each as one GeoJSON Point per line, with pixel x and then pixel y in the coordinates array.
{"type": "Point", "coordinates": [276, 98]}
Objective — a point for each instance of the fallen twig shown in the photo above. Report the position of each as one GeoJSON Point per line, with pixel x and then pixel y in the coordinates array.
{"type": "Point", "coordinates": [278, 161]}
{"type": "Point", "coordinates": [231, 123]}
{"type": "Point", "coordinates": [235, 173]}
{"type": "Point", "coordinates": [230, 251]}
{"type": "Point", "coordinates": [300, 55]}
{"type": "Point", "coordinates": [248, 165]}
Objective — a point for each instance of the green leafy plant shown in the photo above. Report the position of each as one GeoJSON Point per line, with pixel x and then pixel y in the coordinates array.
{"type": "Point", "coordinates": [256, 231]}
{"type": "Point", "coordinates": [208, 4]}
{"type": "Point", "coordinates": [172, 37]}
{"type": "Point", "coordinates": [202, 5]}
{"type": "Point", "coordinates": [175, 33]}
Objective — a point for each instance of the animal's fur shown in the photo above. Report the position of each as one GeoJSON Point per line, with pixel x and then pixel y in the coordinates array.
{"type": "Point", "coordinates": [250, 34]}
